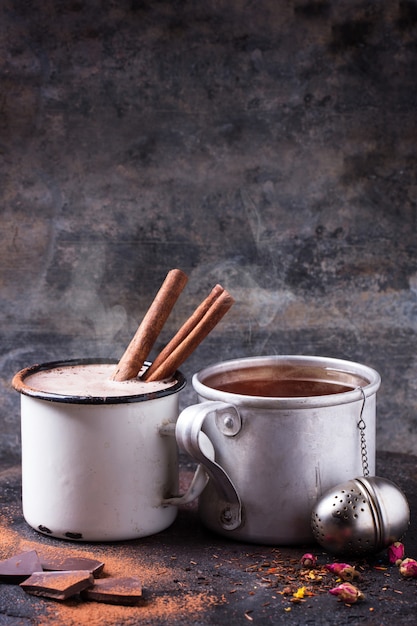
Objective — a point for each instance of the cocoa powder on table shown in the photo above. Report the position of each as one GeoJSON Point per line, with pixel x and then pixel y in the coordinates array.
{"type": "Point", "coordinates": [163, 600]}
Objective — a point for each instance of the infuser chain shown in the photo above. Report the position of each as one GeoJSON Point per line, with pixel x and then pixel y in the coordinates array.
{"type": "Point", "coordinates": [362, 428]}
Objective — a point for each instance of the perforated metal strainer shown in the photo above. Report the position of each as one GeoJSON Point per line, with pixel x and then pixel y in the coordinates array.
{"type": "Point", "coordinates": [363, 515]}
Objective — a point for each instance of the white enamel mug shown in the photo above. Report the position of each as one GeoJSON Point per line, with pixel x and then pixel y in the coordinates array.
{"type": "Point", "coordinates": [274, 433]}
{"type": "Point", "coordinates": [99, 465]}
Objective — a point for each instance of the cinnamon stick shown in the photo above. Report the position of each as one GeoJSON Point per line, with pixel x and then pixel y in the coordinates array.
{"type": "Point", "coordinates": [132, 360]}
{"type": "Point", "coordinates": [185, 330]}
{"type": "Point", "coordinates": [214, 314]}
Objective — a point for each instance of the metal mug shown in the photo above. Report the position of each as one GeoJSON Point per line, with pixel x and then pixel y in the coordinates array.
{"type": "Point", "coordinates": [274, 433]}
{"type": "Point", "coordinates": [99, 467]}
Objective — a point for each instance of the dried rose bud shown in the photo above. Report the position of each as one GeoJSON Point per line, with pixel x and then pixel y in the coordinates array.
{"type": "Point", "coordinates": [408, 568]}
{"type": "Point", "coordinates": [308, 560]}
{"type": "Point", "coordinates": [343, 570]}
{"type": "Point", "coordinates": [347, 593]}
{"type": "Point", "coordinates": [396, 553]}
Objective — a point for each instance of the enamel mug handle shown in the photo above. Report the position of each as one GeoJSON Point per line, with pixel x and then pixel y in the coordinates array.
{"type": "Point", "coordinates": [192, 440]}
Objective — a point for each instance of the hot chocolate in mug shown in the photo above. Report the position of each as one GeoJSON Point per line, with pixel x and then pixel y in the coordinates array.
{"type": "Point", "coordinates": [99, 457]}
{"type": "Point", "coordinates": [274, 433]}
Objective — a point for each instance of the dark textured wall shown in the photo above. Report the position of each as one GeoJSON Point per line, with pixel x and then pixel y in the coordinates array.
{"type": "Point", "coordinates": [269, 146]}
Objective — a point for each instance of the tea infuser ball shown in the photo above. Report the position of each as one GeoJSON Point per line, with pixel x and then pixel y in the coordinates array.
{"type": "Point", "coordinates": [363, 515]}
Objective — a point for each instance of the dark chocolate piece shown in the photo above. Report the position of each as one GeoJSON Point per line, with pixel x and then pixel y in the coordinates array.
{"type": "Point", "coordinates": [66, 563]}
{"type": "Point", "coordinates": [112, 590]}
{"type": "Point", "coordinates": [19, 567]}
{"type": "Point", "coordinates": [58, 585]}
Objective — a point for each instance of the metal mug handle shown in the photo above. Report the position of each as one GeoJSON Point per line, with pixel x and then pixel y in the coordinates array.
{"type": "Point", "coordinates": [192, 440]}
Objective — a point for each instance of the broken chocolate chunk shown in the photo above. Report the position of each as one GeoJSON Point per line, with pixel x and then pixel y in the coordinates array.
{"type": "Point", "coordinates": [66, 563]}
{"type": "Point", "coordinates": [112, 590]}
{"type": "Point", "coordinates": [19, 567]}
{"type": "Point", "coordinates": [58, 585]}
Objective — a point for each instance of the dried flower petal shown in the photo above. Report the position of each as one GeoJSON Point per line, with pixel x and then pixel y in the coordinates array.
{"type": "Point", "coordinates": [396, 553]}
{"type": "Point", "coordinates": [300, 593]}
{"type": "Point", "coordinates": [408, 568]}
{"type": "Point", "coordinates": [308, 560]}
{"type": "Point", "coordinates": [347, 593]}
{"type": "Point", "coordinates": [343, 570]}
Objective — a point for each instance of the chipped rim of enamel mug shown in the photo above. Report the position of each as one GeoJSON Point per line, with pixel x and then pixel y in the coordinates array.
{"type": "Point", "coordinates": [22, 387]}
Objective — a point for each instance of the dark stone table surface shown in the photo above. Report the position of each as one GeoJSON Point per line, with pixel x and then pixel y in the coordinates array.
{"type": "Point", "coordinates": [191, 576]}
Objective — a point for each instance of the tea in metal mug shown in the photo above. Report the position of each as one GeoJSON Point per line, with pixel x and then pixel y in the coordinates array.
{"type": "Point", "coordinates": [274, 433]}
{"type": "Point", "coordinates": [98, 465]}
